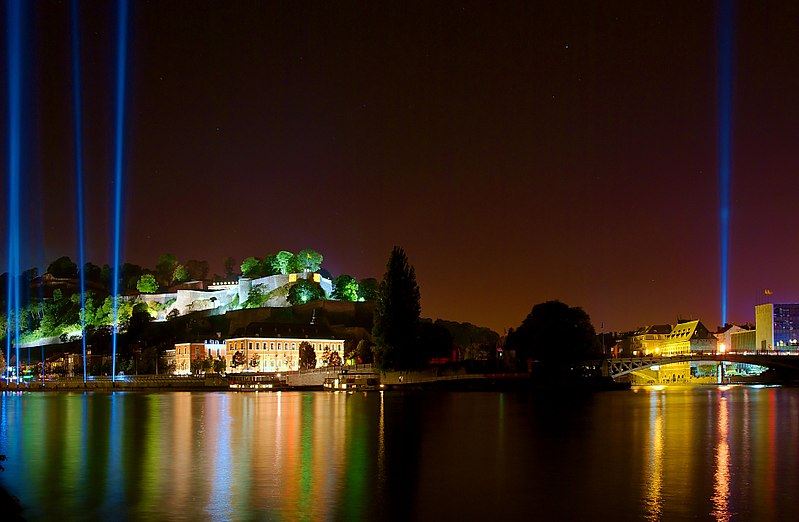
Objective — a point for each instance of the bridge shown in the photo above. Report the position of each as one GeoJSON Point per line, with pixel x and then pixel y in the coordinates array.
{"type": "Point", "coordinates": [771, 359]}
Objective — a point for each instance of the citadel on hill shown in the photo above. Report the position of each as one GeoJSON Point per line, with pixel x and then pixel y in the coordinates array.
{"type": "Point", "coordinates": [196, 296]}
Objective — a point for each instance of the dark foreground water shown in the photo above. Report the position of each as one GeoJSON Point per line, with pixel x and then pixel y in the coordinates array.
{"type": "Point", "coordinates": [702, 453]}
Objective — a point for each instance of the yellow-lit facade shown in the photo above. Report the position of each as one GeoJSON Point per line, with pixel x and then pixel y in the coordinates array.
{"type": "Point", "coordinates": [648, 340]}
{"type": "Point", "coordinates": [276, 354]}
{"type": "Point", "coordinates": [689, 337]}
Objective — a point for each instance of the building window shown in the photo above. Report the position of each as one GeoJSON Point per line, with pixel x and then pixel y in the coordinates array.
{"type": "Point", "coordinates": [257, 345]}
{"type": "Point", "coordinates": [278, 346]}
{"type": "Point", "coordinates": [293, 346]}
{"type": "Point", "coordinates": [271, 346]}
{"type": "Point", "coordinates": [249, 346]}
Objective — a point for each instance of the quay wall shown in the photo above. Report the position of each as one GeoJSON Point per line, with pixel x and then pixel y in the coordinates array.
{"type": "Point", "coordinates": [149, 382]}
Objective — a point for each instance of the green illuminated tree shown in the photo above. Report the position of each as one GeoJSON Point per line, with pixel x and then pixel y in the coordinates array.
{"type": "Point", "coordinates": [147, 284]}
{"type": "Point", "coordinates": [397, 316]}
{"type": "Point", "coordinates": [307, 356]}
{"type": "Point", "coordinates": [256, 298]}
{"type": "Point", "coordinates": [181, 274]}
{"type": "Point", "coordinates": [346, 288]}
{"type": "Point", "coordinates": [285, 262]}
{"type": "Point", "coordinates": [269, 265]}
{"type": "Point", "coordinates": [304, 291]}
{"type": "Point", "coordinates": [308, 259]}
{"type": "Point", "coordinates": [251, 267]}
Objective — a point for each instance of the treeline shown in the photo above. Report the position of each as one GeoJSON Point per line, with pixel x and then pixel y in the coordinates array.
{"type": "Point", "coordinates": [60, 315]}
{"type": "Point", "coordinates": [53, 311]}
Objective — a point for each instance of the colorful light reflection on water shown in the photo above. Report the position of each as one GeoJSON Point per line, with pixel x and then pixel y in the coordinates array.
{"type": "Point", "coordinates": [693, 453]}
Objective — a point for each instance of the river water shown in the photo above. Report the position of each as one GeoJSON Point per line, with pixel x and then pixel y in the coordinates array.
{"type": "Point", "coordinates": [698, 453]}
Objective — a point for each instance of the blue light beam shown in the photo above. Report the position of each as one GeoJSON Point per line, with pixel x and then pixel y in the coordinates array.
{"type": "Point", "coordinates": [76, 88]}
{"type": "Point", "coordinates": [122, 39]}
{"type": "Point", "coordinates": [14, 49]}
{"type": "Point", "coordinates": [725, 77]}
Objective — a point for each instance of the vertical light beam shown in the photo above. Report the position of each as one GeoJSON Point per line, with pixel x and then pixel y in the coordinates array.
{"type": "Point", "coordinates": [122, 39]}
{"type": "Point", "coordinates": [725, 64]}
{"type": "Point", "coordinates": [14, 49]}
{"type": "Point", "coordinates": [76, 88]}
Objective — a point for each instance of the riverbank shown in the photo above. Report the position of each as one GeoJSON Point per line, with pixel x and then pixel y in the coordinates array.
{"type": "Point", "coordinates": [10, 506]}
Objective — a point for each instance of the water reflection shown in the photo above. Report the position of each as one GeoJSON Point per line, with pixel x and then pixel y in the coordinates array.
{"type": "Point", "coordinates": [658, 455]}
{"type": "Point", "coordinates": [653, 499]}
{"type": "Point", "coordinates": [721, 483]}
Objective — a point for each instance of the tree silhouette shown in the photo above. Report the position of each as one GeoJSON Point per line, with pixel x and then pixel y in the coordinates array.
{"type": "Point", "coordinates": [397, 316]}
{"type": "Point", "coordinates": [307, 356]}
{"type": "Point", "coordinates": [238, 359]}
{"type": "Point", "coordinates": [554, 335]}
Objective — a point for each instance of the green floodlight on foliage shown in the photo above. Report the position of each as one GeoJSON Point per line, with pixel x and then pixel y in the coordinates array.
{"type": "Point", "coordinates": [147, 284]}
{"type": "Point", "coordinates": [310, 260]}
{"type": "Point", "coordinates": [304, 291]}
{"type": "Point", "coordinates": [346, 288]}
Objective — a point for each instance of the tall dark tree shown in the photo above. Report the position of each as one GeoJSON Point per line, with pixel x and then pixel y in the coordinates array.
{"type": "Point", "coordinates": [129, 275]}
{"type": "Point", "coordinates": [230, 268]}
{"type": "Point", "coordinates": [397, 316]}
{"type": "Point", "coordinates": [369, 289]}
{"type": "Point", "coordinates": [556, 336]}
{"type": "Point", "coordinates": [92, 272]}
{"type": "Point", "coordinates": [198, 270]}
{"type": "Point", "coordinates": [30, 274]}
{"type": "Point", "coordinates": [434, 340]}
{"type": "Point", "coordinates": [165, 269]}
{"type": "Point", "coordinates": [63, 267]}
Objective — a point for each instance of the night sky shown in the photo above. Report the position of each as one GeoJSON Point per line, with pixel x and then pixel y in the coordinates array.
{"type": "Point", "coordinates": [518, 152]}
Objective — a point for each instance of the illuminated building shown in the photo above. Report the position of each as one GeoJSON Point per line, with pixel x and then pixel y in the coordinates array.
{"type": "Point", "coordinates": [647, 340]}
{"type": "Point", "coordinates": [685, 338]}
{"type": "Point", "coordinates": [744, 341]}
{"type": "Point", "coordinates": [689, 337]}
{"type": "Point", "coordinates": [195, 296]}
{"type": "Point", "coordinates": [777, 326]}
{"type": "Point", "coordinates": [730, 336]}
{"type": "Point", "coordinates": [269, 347]}
{"type": "Point", "coordinates": [186, 353]}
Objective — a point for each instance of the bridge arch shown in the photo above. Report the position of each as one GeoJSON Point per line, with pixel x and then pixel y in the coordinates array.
{"type": "Point", "coordinates": [617, 367]}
